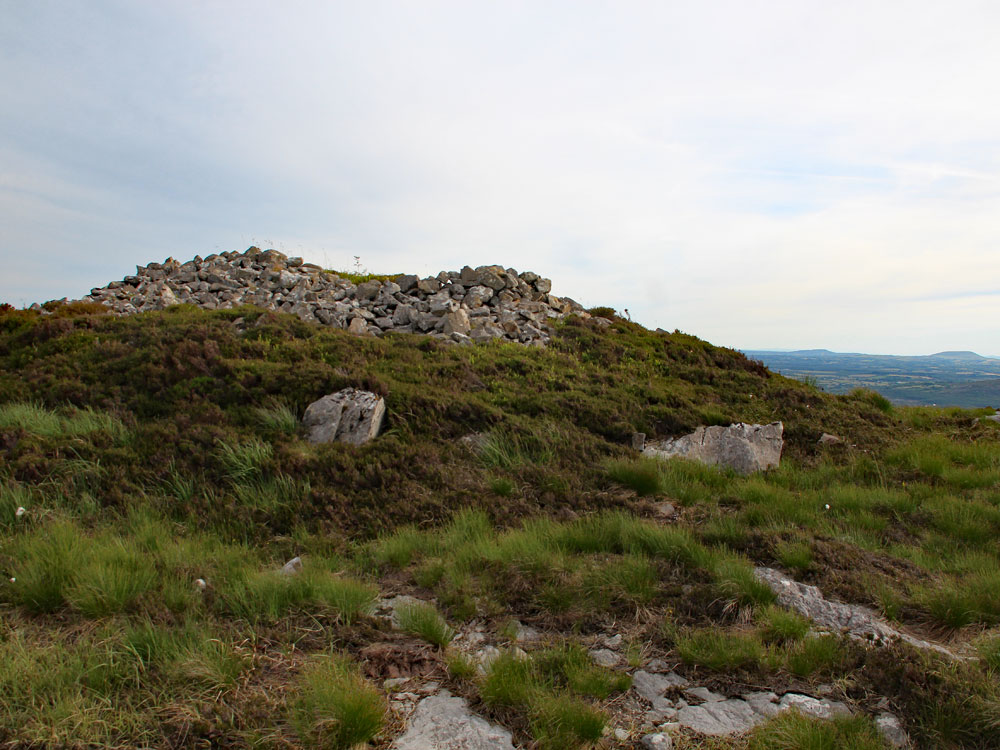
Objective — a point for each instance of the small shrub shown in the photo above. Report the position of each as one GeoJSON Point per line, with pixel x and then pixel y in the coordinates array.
{"type": "Point", "coordinates": [334, 706]}
{"type": "Point", "coordinates": [399, 548]}
{"type": "Point", "coordinates": [425, 621]}
{"type": "Point", "coordinates": [719, 650]}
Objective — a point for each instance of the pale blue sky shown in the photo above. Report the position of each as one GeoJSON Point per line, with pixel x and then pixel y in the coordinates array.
{"type": "Point", "coordinates": [796, 174]}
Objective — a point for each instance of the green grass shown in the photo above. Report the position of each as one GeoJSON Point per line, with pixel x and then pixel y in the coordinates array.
{"type": "Point", "coordinates": [425, 621]}
{"type": "Point", "coordinates": [277, 417]}
{"type": "Point", "coordinates": [780, 625]}
{"type": "Point", "coordinates": [642, 475]}
{"type": "Point", "coordinates": [333, 706]}
{"type": "Point", "coordinates": [719, 650]}
{"type": "Point", "coordinates": [38, 420]}
{"type": "Point", "coordinates": [791, 730]}
{"type": "Point", "coordinates": [561, 722]}
{"type": "Point", "coordinates": [816, 654]}
{"type": "Point", "coordinates": [244, 460]}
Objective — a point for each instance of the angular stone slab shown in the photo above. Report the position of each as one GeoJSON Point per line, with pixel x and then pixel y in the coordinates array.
{"type": "Point", "coordinates": [444, 722]}
{"type": "Point", "coordinates": [745, 448]}
{"type": "Point", "coordinates": [859, 622]}
{"type": "Point", "coordinates": [720, 718]}
{"type": "Point", "coordinates": [347, 416]}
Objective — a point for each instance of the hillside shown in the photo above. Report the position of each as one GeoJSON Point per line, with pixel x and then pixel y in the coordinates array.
{"type": "Point", "coordinates": [156, 479]}
{"type": "Point", "coordinates": [953, 378]}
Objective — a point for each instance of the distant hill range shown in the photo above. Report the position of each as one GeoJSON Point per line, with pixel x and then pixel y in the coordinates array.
{"type": "Point", "coordinates": [954, 378]}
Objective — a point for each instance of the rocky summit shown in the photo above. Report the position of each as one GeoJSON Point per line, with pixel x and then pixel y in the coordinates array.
{"type": "Point", "coordinates": [471, 305]}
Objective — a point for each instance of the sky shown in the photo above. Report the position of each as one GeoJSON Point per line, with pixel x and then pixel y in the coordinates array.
{"type": "Point", "coordinates": [759, 173]}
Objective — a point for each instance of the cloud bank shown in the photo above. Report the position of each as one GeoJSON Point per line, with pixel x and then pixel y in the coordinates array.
{"type": "Point", "coordinates": [772, 174]}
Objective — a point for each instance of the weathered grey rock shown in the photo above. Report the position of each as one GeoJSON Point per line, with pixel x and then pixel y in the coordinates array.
{"type": "Point", "coordinates": [510, 309]}
{"type": "Point", "coordinates": [347, 416]}
{"type": "Point", "coordinates": [720, 718]}
{"type": "Point", "coordinates": [657, 741]}
{"type": "Point", "coordinates": [652, 686]}
{"type": "Point", "coordinates": [819, 708]}
{"type": "Point", "coordinates": [857, 621]}
{"type": "Point", "coordinates": [638, 441]}
{"type": "Point", "coordinates": [827, 439]}
{"type": "Point", "coordinates": [704, 694]}
{"type": "Point", "coordinates": [292, 567]}
{"type": "Point", "coordinates": [525, 633]}
{"type": "Point", "coordinates": [457, 322]}
{"type": "Point", "coordinates": [444, 722]}
{"type": "Point", "coordinates": [742, 447]}
{"type": "Point", "coordinates": [605, 657]}
{"type": "Point", "coordinates": [892, 730]}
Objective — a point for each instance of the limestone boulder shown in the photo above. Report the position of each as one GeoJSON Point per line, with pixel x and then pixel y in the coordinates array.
{"type": "Point", "coordinates": [444, 722]}
{"type": "Point", "coordinates": [348, 416]}
{"type": "Point", "coordinates": [745, 448]}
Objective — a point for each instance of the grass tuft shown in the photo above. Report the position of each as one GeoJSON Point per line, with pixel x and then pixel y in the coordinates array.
{"type": "Point", "coordinates": [334, 707]}
{"type": "Point", "coordinates": [425, 621]}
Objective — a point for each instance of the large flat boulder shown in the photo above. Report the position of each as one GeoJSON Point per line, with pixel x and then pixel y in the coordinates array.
{"type": "Point", "coordinates": [745, 448]}
{"type": "Point", "coordinates": [444, 722]}
{"type": "Point", "coordinates": [348, 416]}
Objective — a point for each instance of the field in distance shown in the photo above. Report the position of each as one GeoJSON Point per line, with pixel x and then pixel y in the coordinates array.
{"type": "Point", "coordinates": [954, 378]}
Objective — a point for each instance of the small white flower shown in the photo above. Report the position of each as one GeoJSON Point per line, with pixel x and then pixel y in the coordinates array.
{"type": "Point", "coordinates": [12, 580]}
{"type": "Point", "coordinates": [827, 506]}
{"type": "Point", "coordinates": [201, 584]}
{"type": "Point", "coordinates": [20, 512]}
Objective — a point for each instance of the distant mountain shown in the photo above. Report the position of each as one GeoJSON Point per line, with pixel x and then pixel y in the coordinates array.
{"type": "Point", "coordinates": [949, 378]}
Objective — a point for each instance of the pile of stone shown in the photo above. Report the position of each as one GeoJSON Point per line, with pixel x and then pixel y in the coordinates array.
{"type": "Point", "coordinates": [471, 305]}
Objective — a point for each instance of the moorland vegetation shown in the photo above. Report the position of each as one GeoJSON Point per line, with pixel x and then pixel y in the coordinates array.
{"type": "Point", "coordinates": [154, 480]}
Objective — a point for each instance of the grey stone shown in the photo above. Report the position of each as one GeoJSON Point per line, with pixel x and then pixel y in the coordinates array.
{"type": "Point", "coordinates": [720, 718]}
{"type": "Point", "coordinates": [638, 441]}
{"type": "Point", "coordinates": [348, 416]}
{"type": "Point", "coordinates": [819, 708]}
{"type": "Point", "coordinates": [704, 694]}
{"type": "Point", "coordinates": [742, 447]}
{"type": "Point", "coordinates": [827, 439]}
{"type": "Point", "coordinates": [604, 657]}
{"type": "Point", "coordinates": [292, 567]}
{"type": "Point", "coordinates": [525, 633]}
{"type": "Point", "coordinates": [358, 326]}
{"type": "Point", "coordinates": [457, 322]}
{"type": "Point", "coordinates": [657, 741]}
{"type": "Point", "coordinates": [444, 722]}
{"type": "Point", "coordinates": [857, 621]}
{"type": "Point", "coordinates": [892, 730]}
{"type": "Point", "coordinates": [652, 686]}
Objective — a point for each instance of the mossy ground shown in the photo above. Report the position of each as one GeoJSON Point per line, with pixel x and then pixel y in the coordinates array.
{"type": "Point", "coordinates": [154, 450]}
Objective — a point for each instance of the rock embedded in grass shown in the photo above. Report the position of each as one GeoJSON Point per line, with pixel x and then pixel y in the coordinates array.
{"type": "Point", "coordinates": [444, 722]}
{"type": "Point", "coordinates": [347, 416]}
{"type": "Point", "coordinates": [744, 448]}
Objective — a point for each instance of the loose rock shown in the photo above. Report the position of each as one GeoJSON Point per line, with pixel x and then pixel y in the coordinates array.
{"type": "Point", "coordinates": [347, 416]}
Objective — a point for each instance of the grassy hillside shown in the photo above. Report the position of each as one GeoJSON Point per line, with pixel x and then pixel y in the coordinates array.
{"type": "Point", "coordinates": [164, 481]}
